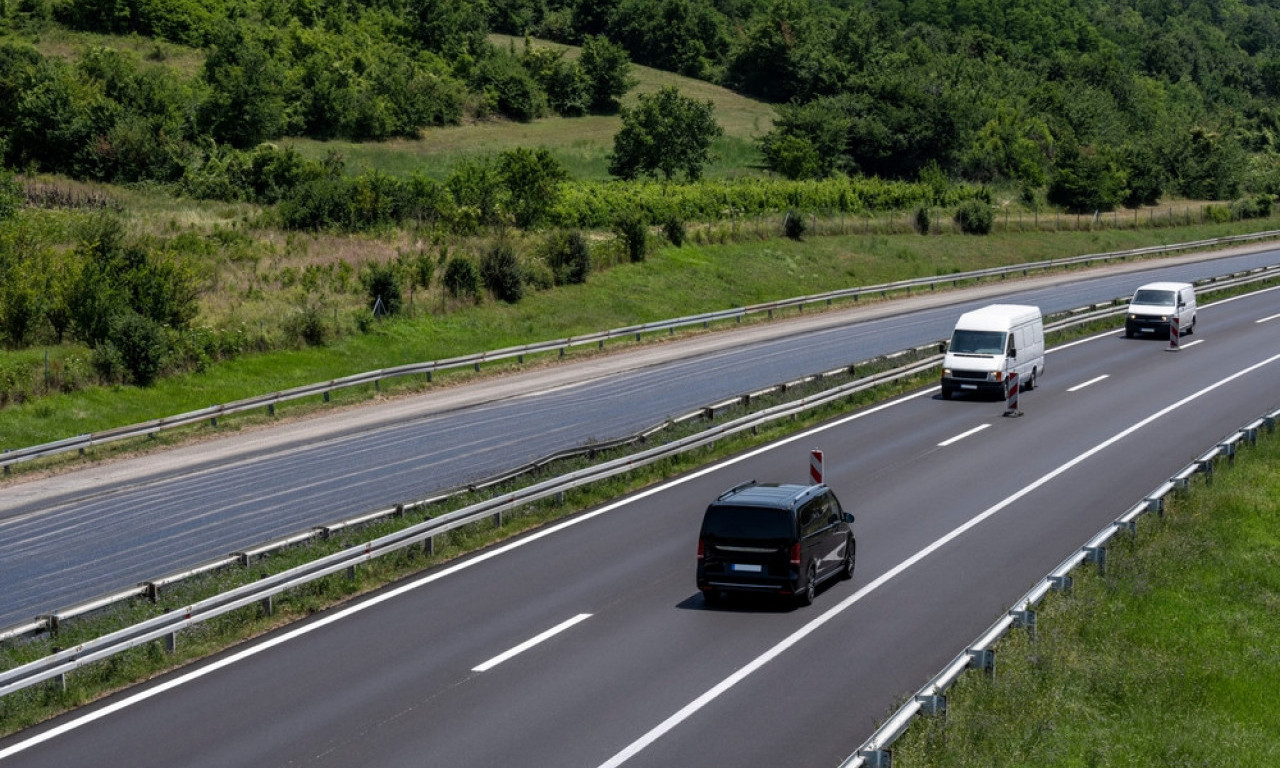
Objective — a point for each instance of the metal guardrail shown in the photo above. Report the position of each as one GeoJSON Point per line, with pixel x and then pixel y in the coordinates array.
{"type": "Point", "coordinates": [167, 626]}
{"type": "Point", "coordinates": [931, 697]}
{"type": "Point", "coordinates": [83, 442]}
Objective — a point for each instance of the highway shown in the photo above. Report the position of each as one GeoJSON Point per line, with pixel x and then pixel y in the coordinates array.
{"type": "Point", "coordinates": [586, 643]}
{"type": "Point", "coordinates": [106, 527]}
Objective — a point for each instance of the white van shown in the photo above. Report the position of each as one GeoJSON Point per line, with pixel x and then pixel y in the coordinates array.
{"type": "Point", "coordinates": [1154, 305]}
{"type": "Point", "coordinates": [990, 343]}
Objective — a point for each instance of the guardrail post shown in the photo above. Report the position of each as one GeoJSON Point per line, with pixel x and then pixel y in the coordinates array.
{"type": "Point", "coordinates": [213, 421]}
{"type": "Point", "coordinates": [268, 605]}
{"type": "Point", "coordinates": [877, 758]}
{"type": "Point", "coordinates": [497, 519]}
{"type": "Point", "coordinates": [326, 395]}
{"type": "Point", "coordinates": [934, 704]}
{"type": "Point", "coordinates": [61, 682]}
{"type": "Point", "coordinates": [1061, 583]}
{"type": "Point", "coordinates": [1025, 619]}
{"type": "Point", "coordinates": [1097, 555]}
{"type": "Point", "coordinates": [171, 642]}
{"type": "Point", "coordinates": [429, 546]}
{"type": "Point", "coordinates": [1131, 527]}
{"type": "Point", "coordinates": [271, 409]}
{"type": "Point", "coordinates": [1206, 467]}
{"type": "Point", "coordinates": [1229, 449]}
{"type": "Point", "coordinates": [351, 573]}
{"type": "Point", "coordinates": [1156, 505]}
{"type": "Point", "coordinates": [984, 659]}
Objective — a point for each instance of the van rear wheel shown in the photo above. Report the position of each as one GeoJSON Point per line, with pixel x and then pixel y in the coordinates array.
{"type": "Point", "coordinates": [810, 586]}
{"type": "Point", "coordinates": [846, 569]}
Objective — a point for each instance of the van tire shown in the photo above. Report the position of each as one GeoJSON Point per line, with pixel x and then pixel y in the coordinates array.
{"type": "Point", "coordinates": [850, 553]}
{"type": "Point", "coordinates": [1031, 381]}
{"type": "Point", "coordinates": [810, 586]}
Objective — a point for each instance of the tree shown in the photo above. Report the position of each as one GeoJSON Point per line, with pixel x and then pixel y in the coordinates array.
{"type": "Point", "coordinates": [667, 134]}
{"type": "Point", "coordinates": [532, 180]}
{"type": "Point", "coordinates": [607, 70]}
{"type": "Point", "coordinates": [1086, 180]}
{"type": "Point", "coordinates": [246, 90]}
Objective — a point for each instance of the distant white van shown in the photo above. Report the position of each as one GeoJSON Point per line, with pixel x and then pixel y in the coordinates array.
{"type": "Point", "coordinates": [1154, 305]}
{"type": "Point", "coordinates": [990, 343]}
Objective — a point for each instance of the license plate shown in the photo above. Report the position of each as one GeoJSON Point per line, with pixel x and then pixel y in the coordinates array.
{"type": "Point", "coordinates": [1146, 330]}
{"type": "Point", "coordinates": [745, 568]}
{"type": "Point", "coordinates": [968, 386]}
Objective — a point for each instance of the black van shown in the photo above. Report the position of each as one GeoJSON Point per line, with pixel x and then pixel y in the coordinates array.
{"type": "Point", "coordinates": [774, 538]}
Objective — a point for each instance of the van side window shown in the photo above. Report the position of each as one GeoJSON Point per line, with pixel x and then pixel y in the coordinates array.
{"type": "Point", "coordinates": [812, 517]}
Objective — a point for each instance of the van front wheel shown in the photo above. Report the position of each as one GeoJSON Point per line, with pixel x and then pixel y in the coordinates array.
{"type": "Point", "coordinates": [1031, 381]}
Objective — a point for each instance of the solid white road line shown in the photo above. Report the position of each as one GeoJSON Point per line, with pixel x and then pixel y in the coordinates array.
{"type": "Point", "coordinates": [1267, 319]}
{"type": "Point", "coordinates": [1191, 343]}
{"type": "Point", "coordinates": [526, 645]}
{"type": "Point", "coordinates": [1089, 382]}
{"type": "Point", "coordinates": [689, 709]}
{"type": "Point", "coordinates": [381, 597]}
{"type": "Point", "coordinates": [962, 436]}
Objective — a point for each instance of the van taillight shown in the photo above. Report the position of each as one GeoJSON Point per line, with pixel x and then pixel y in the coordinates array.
{"type": "Point", "coordinates": [795, 554]}
{"type": "Point", "coordinates": [702, 549]}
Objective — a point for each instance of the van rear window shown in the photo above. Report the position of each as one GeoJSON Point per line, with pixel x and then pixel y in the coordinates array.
{"type": "Point", "coordinates": [728, 522]}
{"type": "Point", "coordinates": [1152, 296]}
{"type": "Point", "coordinates": [978, 342]}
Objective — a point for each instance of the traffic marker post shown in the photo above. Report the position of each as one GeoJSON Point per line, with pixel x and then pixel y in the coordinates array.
{"type": "Point", "coordinates": [1011, 395]}
{"type": "Point", "coordinates": [1173, 334]}
{"type": "Point", "coordinates": [815, 467]}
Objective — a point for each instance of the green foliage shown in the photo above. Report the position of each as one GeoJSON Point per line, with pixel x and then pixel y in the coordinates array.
{"type": "Point", "coordinates": [568, 256]}
{"type": "Point", "coordinates": [1086, 180]}
{"type": "Point", "coordinates": [141, 345]}
{"type": "Point", "coordinates": [508, 87]}
{"type": "Point", "coordinates": [307, 325]}
{"type": "Point", "coordinates": [673, 228]}
{"type": "Point", "coordinates": [632, 230]}
{"type": "Point", "coordinates": [794, 225]}
{"type": "Point", "coordinates": [922, 220]}
{"type": "Point", "coordinates": [382, 287]}
{"type": "Point", "coordinates": [676, 35]}
{"type": "Point", "coordinates": [461, 278]}
{"type": "Point", "coordinates": [246, 89]}
{"type": "Point", "coordinates": [667, 134]}
{"type": "Point", "coordinates": [1208, 165]}
{"type": "Point", "coordinates": [1252, 207]}
{"type": "Point", "coordinates": [607, 71]}
{"type": "Point", "coordinates": [501, 273]}
{"type": "Point", "coordinates": [975, 217]}
{"type": "Point", "coordinates": [11, 195]}
{"type": "Point", "coordinates": [564, 82]}
{"type": "Point", "coordinates": [532, 180]}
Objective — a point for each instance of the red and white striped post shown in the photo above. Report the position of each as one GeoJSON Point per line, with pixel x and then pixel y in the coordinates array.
{"type": "Point", "coordinates": [1173, 333]}
{"type": "Point", "coordinates": [1011, 395]}
{"type": "Point", "coordinates": [815, 467]}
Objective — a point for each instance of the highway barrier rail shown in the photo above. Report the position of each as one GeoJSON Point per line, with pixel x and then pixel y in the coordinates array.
{"type": "Point", "coordinates": [211, 414]}
{"type": "Point", "coordinates": [875, 752]}
{"type": "Point", "coordinates": [57, 665]}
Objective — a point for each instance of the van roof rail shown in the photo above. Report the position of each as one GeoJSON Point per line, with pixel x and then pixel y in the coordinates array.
{"type": "Point", "coordinates": [736, 488]}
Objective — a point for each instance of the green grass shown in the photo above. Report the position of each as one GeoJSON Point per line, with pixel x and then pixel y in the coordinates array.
{"type": "Point", "coordinates": [581, 144]}
{"type": "Point", "coordinates": [1170, 659]}
{"type": "Point", "coordinates": [672, 282]}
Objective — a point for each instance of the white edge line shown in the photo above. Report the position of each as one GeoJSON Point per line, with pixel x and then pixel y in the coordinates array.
{"type": "Point", "coordinates": [963, 435]}
{"type": "Point", "coordinates": [531, 642]}
{"type": "Point", "coordinates": [1192, 343]}
{"type": "Point", "coordinates": [391, 594]}
{"type": "Point", "coordinates": [1266, 319]}
{"type": "Point", "coordinates": [1090, 382]}
{"type": "Point", "coordinates": [689, 709]}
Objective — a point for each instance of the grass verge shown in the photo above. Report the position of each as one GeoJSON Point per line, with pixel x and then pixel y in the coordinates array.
{"type": "Point", "coordinates": [1169, 659]}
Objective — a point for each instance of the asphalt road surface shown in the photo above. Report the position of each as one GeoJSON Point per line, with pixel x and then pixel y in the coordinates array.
{"type": "Point", "coordinates": [586, 643]}
{"type": "Point", "coordinates": [82, 534]}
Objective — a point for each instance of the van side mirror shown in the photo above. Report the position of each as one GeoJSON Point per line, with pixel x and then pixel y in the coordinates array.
{"type": "Point", "coordinates": [848, 517]}
{"type": "Point", "coordinates": [1013, 351]}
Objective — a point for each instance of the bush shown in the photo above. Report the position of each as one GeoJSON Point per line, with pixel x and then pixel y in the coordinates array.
{"type": "Point", "coordinates": [1256, 207]}
{"type": "Point", "coordinates": [142, 346]}
{"type": "Point", "coordinates": [1217, 214]}
{"type": "Point", "coordinates": [501, 272]}
{"type": "Point", "coordinates": [569, 257]}
{"type": "Point", "coordinates": [975, 217]}
{"type": "Point", "coordinates": [461, 279]}
{"type": "Point", "coordinates": [922, 221]}
{"type": "Point", "coordinates": [382, 286]}
{"type": "Point", "coordinates": [673, 228]}
{"type": "Point", "coordinates": [11, 195]}
{"type": "Point", "coordinates": [307, 325]}
{"type": "Point", "coordinates": [794, 225]}
{"type": "Point", "coordinates": [632, 229]}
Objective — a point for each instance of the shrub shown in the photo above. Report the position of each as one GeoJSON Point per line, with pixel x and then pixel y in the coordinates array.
{"type": "Point", "coordinates": [1256, 207]}
{"type": "Point", "coordinates": [11, 195]}
{"type": "Point", "coordinates": [141, 344]}
{"type": "Point", "coordinates": [1217, 214]}
{"type": "Point", "coordinates": [382, 286]}
{"type": "Point", "coordinates": [673, 228]}
{"type": "Point", "coordinates": [632, 229]}
{"type": "Point", "coordinates": [569, 257]}
{"type": "Point", "coordinates": [975, 217]}
{"type": "Point", "coordinates": [501, 272]}
{"type": "Point", "coordinates": [461, 279]}
{"type": "Point", "coordinates": [922, 221]}
{"type": "Point", "coordinates": [794, 225]}
{"type": "Point", "coordinates": [307, 325]}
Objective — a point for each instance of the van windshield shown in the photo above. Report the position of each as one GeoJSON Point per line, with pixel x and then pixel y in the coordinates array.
{"type": "Point", "coordinates": [977, 342]}
{"type": "Point", "coordinates": [1152, 296]}
{"type": "Point", "coordinates": [756, 523]}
